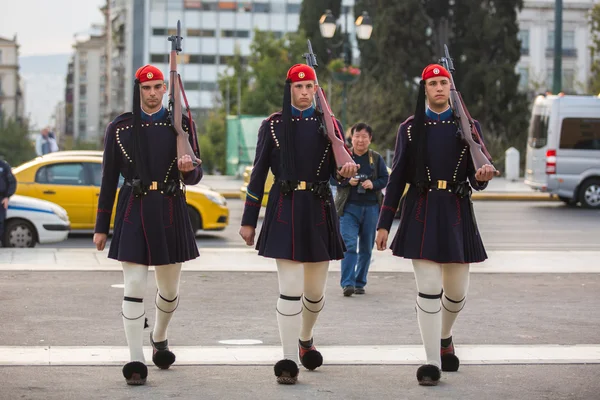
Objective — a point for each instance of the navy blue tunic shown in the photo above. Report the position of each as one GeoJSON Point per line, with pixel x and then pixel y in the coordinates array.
{"type": "Point", "coordinates": [153, 229]}
{"type": "Point", "coordinates": [295, 225]}
{"type": "Point", "coordinates": [436, 225]}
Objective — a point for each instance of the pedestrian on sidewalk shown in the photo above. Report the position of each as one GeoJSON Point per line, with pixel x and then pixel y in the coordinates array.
{"type": "Point", "coordinates": [357, 202]}
{"type": "Point", "coordinates": [8, 187]}
{"type": "Point", "coordinates": [437, 228]}
{"type": "Point", "coordinates": [45, 143]}
{"type": "Point", "coordinates": [301, 229]}
{"type": "Point", "coordinates": [152, 224]}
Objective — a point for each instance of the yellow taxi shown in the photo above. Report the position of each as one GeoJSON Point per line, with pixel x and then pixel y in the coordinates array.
{"type": "Point", "coordinates": [72, 180]}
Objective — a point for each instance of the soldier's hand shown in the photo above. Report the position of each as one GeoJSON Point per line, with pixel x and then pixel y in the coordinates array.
{"type": "Point", "coordinates": [247, 233]}
{"type": "Point", "coordinates": [5, 203]}
{"type": "Point", "coordinates": [185, 163]}
{"type": "Point", "coordinates": [381, 239]}
{"type": "Point", "coordinates": [349, 169]}
{"type": "Point", "coordinates": [100, 240]}
{"type": "Point", "coordinates": [367, 184]}
{"type": "Point", "coordinates": [485, 173]}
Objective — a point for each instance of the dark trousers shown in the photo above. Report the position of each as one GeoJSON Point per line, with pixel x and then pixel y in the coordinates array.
{"type": "Point", "coordinates": [2, 217]}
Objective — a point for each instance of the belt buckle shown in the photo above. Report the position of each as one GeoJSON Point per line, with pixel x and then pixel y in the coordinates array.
{"type": "Point", "coordinates": [301, 185]}
{"type": "Point", "coordinates": [442, 185]}
{"type": "Point", "coordinates": [153, 186]}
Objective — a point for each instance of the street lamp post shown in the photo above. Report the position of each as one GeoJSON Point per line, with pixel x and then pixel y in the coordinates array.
{"type": "Point", "coordinates": [364, 28]}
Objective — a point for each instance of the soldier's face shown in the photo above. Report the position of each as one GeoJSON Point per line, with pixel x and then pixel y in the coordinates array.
{"type": "Point", "coordinates": [303, 93]}
{"type": "Point", "coordinates": [152, 93]}
{"type": "Point", "coordinates": [438, 91]}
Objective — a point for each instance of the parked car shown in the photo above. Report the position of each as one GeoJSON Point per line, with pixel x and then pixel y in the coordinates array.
{"type": "Point", "coordinates": [563, 148]}
{"type": "Point", "coordinates": [72, 180]}
{"type": "Point", "coordinates": [30, 221]}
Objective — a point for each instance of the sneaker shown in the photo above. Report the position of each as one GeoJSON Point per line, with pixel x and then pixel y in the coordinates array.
{"type": "Point", "coordinates": [348, 291]}
{"type": "Point", "coordinates": [359, 290]}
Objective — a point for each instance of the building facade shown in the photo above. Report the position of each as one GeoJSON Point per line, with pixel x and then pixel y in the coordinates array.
{"type": "Point", "coordinates": [536, 66]}
{"type": "Point", "coordinates": [212, 31]}
{"type": "Point", "coordinates": [89, 79]}
{"type": "Point", "coordinates": [12, 104]}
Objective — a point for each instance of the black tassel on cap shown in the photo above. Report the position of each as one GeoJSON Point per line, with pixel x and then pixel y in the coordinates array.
{"type": "Point", "coordinates": [140, 159]}
{"type": "Point", "coordinates": [288, 160]}
{"type": "Point", "coordinates": [419, 131]}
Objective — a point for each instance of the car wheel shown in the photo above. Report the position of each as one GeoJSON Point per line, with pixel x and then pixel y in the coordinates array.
{"type": "Point", "coordinates": [19, 233]}
{"type": "Point", "coordinates": [195, 219]}
{"type": "Point", "coordinates": [589, 195]}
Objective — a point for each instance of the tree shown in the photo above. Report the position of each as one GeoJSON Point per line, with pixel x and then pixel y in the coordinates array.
{"type": "Point", "coordinates": [391, 62]}
{"type": "Point", "coordinates": [486, 49]}
{"type": "Point", "coordinates": [595, 49]}
{"type": "Point", "coordinates": [15, 144]}
{"type": "Point", "coordinates": [310, 14]}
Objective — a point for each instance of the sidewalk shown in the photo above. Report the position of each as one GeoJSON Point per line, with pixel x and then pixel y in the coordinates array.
{"type": "Point", "coordinates": [499, 189]}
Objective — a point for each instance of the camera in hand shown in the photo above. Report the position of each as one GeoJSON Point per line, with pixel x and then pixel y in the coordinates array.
{"type": "Point", "coordinates": [361, 178]}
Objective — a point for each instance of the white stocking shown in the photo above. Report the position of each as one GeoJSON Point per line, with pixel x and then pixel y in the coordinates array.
{"type": "Point", "coordinates": [289, 306]}
{"type": "Point", "coordinates": [134, 277]}
{"type": "Point", "coordinates": [455, 278]}
{"type": "Point", "coordinates": [167, 298]}
{"type": "Point", "coordinates": [315, 279]}
{"type": "Point", "coordinates": [428, 276]}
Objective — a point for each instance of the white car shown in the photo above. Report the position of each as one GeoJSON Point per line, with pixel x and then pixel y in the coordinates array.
{"type": "Point", "coordinates": [30, 221]}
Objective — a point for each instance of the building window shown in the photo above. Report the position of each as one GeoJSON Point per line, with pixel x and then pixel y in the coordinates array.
{"type": "Point", "coordinates": [202, 59]}
{"type": "Point", "coordinates": [82, 90]}
{"type": "Point", "coordinates": [225, 60]}
{"type": "Point", "coordinates": [523, 78]}
{"type": "Point", "coordinates": [201, 32]}
{"type": "Point", "coordinates": [293, 8]}
{"type": "Point", "coordinates": [261, 7]}
{"type": "Point", "coordinates": [238, 34]}
{"type": "Point", "coordinates": [0, 56]}
{"type": "Point", "coordinates": [567, 80]}
{"type": "Point", "coordinates": [277, 8]}
{"type": "Point", "coordinates": [568, 44]}
{"type": "Point", "coordinates": [159, 31]}
{"type": "Point", "coordinates": [524, 38]}
{"type": "Point", "coordinates": [206, 6]}
{"type": "Point", "coordinates": [159, 58]}
{"type": "Point", "coordinates": [209, 86]}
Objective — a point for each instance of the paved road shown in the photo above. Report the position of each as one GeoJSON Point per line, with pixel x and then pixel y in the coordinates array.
{"type": "Point", "coordinates": [503, 225]}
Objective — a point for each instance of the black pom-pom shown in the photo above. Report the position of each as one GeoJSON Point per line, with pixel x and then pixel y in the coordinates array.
{"type": "Point", "coordinates": [135, 373]}
{"type": "Point", "coordinates": [146, 323]}
{"type": "Point", "coordinates": [312, 359]}
{"type": "Point", "coordinates": [450, 362]}
{"type": "Point", "coordinates": [286, 366]}
{"type": "Point", "coordinates": [163, 359]}
{"type": "Point", "coordinates": [428, 375]}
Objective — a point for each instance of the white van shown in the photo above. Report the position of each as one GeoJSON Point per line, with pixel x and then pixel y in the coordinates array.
{"type": "Point", "coordinates": [563, 148]}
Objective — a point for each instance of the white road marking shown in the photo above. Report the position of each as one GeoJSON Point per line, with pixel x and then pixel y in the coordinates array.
{"type": "Point", "coordinates": [118, 286]}
{"type": "Point", "coordinates": [246, 260]}
{"type": "Point", "coordinates": [241, 341]}
{"type": "Point", "coordinates": [340, 355]}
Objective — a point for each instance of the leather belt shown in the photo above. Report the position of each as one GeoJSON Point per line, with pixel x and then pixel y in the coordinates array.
{"type": "Point", "coordinates": [169, 187]}
{"type": "Point", "coordinates": [459, 188]}
{"type": "Point", "coordinates": [289, 186]}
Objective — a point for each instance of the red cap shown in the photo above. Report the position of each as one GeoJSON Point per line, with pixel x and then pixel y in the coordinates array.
{"type": "Point", "coordinates": [433, 71]}
{"type": "Point", "coordinates": [149, 73]}
{"type": "Point", "coordinates": [301, 72]}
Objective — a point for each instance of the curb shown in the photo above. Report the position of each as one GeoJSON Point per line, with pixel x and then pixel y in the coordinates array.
{"type": "Point", "coordinates": [514, 196]}
{"type": "Point", "coordinates": [495, 196]}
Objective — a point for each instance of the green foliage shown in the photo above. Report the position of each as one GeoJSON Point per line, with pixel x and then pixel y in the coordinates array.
{"type": "Point", "coordinates": [212, 143]}
{"type": "Point", "coordinates": [15, 144]}
{"type": "Point", "coordinates": [595, 49]}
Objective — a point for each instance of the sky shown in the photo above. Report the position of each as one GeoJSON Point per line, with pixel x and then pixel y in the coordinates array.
{"type": "Point", "coordinates": [44, 28]}
{"type": "Point", "coordinates": [47, 26]}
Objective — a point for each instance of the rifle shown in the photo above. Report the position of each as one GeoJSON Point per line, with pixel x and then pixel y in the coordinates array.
{"type": "Point", "coordinates": [340, 151]}
{"type": "Point", "coordinates": [175, 92]}
{"type": "Point", "coordinates": [466, 124]}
